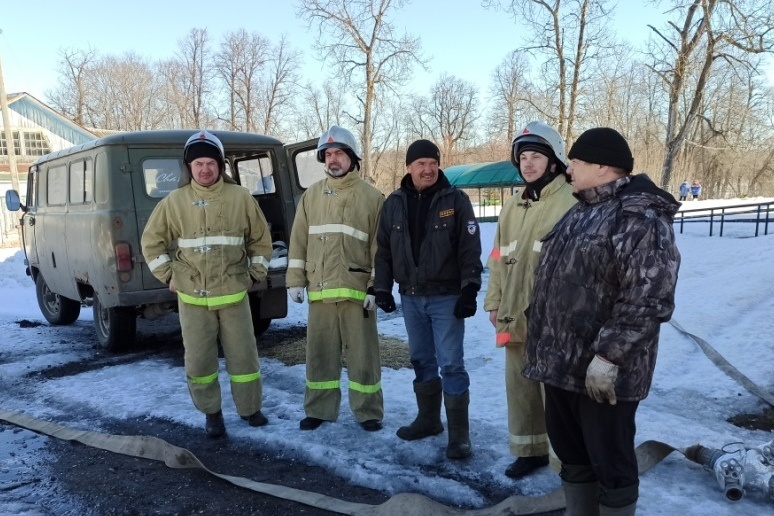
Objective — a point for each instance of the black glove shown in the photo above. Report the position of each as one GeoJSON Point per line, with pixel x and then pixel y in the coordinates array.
{"type": "Point", "coordinates": [466, 304]}
{"type": "Point", "coordinates": [385, 301]}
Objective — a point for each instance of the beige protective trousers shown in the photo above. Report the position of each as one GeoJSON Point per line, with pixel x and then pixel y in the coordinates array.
{"type": "Point", "coordinates": [526, 415]}
{"type": "Point", "coordinates": [202, 328]}
{"type": "Point", "coordinates": [335, 329]}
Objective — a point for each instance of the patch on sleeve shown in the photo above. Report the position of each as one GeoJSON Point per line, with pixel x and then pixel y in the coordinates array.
{"type": "Point", "coordinates": [446, 213]}
{"type": "Point", "coordinates": [472, 226]}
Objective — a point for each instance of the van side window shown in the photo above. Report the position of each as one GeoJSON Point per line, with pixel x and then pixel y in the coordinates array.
{"type": "Point", "coordinates": [56, 186]}
{"type": "Point", "coordinates": [161, 176]}
{"type": "Point", "coordinates": [32, 189]}
{"type": "Point", "coordinates": [101, 178]}
{"type": "Point", "coordinates": [309, 169]}
{"type": "Point", "coordinates": [257, 175]}
{"type": "Point", "coordinates": [81, 181]}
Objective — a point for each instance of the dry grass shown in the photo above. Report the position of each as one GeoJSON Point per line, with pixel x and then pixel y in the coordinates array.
{"type": "Point", "coordinates": [394, 352]}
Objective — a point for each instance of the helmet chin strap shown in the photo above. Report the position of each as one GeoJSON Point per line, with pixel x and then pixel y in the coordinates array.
{"type": "Point", "coordinates": [535, 187]}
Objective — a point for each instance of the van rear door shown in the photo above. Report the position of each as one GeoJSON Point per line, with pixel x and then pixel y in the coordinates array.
{"type": "Point", "coordinates": [304, 167]}
{"type": "Point", "coordinates": [155, 173]}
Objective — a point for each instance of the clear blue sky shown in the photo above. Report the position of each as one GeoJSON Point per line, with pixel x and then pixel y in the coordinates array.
{"type": "Point", "coordinates": [466, 42]}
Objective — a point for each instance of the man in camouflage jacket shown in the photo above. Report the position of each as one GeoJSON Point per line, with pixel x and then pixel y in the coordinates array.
{"type": "Point", "coordinates": [605, 282]}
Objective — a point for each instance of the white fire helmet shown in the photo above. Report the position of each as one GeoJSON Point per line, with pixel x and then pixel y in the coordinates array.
{"type": "Point", "coordinates": [203, 144]}
{"type": "Point", "coordinates": [538, 132]}
{"type": "Point", "coordinates": [205, 137]}
{"type": "Point", "coordinates": [340, 138]}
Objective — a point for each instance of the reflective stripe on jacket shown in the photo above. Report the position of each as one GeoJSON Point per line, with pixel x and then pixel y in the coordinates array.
{"type": "Point", "coordinates": [211, 242]}
{"type": "Point", "coordinates": [521, 226]}
{"type": "Point", "coordinates": [333, 241]}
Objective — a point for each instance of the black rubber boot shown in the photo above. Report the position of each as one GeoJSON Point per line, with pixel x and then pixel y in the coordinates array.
{"type": "Point", "coordinates": [215, 426]}
{"type": "Point", "coordinates": [257, 419]}
{"type": "Point", "coordinates": [523, 466]}
{"type": "Point", "coordinates": [310, 423]}
{"type": "Point", "coordinates": [459, 427]}
{"type": "Point", "coordinates": [428, 421]}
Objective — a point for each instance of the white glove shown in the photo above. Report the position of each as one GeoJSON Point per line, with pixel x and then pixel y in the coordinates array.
{"type": "Point", "coordinates": [600, 380]}
{"type": "Point", "coordinates": [369, 303]}
{"type": "Point", "coordinates": [296, 294]}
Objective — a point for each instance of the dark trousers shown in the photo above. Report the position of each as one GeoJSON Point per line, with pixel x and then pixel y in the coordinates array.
{"type": "Point", "coordinates": [599, 435]}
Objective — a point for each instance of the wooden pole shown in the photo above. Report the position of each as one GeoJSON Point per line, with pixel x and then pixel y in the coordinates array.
{"type": "Point", "coordinates": [8, 132]}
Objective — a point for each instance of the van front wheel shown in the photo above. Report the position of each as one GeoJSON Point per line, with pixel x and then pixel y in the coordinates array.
{"type": "Point", "coordinates": [116, 327]}
{"type": "Point", "coordinates": [58, 310]}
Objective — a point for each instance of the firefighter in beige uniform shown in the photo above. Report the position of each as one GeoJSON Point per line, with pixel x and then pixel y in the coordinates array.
{"type": "Point", "coordinates": [331, 254]}
{"type": "Point", "coordinates": [209, 241]}
{"type": "Point", "coordinates": [538, 153]}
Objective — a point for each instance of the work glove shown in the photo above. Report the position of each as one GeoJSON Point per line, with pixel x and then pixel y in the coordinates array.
{"type": "Point", "coordinates": [385, 301]}
{"type": "Point", "coordinates": [296, 294]}
{"type": "Point", "coordinates": [600, 380]}
{"type": "Point", "coordinates": [369, 303]}
{"type": "Point", "coordinates": [466, 304]}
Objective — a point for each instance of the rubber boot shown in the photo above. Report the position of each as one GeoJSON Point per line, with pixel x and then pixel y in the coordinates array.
{"type": "Point", "coordinates": [459, 429]}
{"type": "Point", "coordinates": [621, 501]}
{"type": "Point", "coordinates": [582, 499]}
{"type": "Point", "coordinates": [214, 425]}
{"type": "Point", "coordinates": [428, 420]}
{"type": "Point", "coordinates": [627, 510]}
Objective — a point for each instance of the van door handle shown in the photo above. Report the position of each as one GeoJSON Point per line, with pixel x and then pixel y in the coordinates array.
{"type": "Point", "coordinates": [32, 221]}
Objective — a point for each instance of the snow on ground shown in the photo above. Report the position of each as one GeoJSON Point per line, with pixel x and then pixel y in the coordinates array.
{"type": "Point", "coordinates": [725, 295]}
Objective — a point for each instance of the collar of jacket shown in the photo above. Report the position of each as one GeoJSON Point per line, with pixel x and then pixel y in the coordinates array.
{"type": "Point", "coordinates": [551, 188]}
{"type": "Point", "coordinates": [407, 184]}
{"type": "Point", "coordinates": [342, 183]}
{"type": "Point", "coordinates": [213, 190]}
{"type": "Point", "coordinates": [603, 192]}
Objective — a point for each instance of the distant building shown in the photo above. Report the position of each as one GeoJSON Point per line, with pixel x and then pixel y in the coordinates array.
{"type": "Point", "coordinates": [37, 130]}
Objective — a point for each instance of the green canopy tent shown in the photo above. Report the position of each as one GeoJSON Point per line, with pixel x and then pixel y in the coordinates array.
{"type": "Point", "coordinates": [484, 176]}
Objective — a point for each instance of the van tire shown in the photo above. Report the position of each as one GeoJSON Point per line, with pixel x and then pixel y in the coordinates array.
{"type": "Point", "coordinates": [259, 325]}
{"type": "Point", "coordinates": [116, 327]}
{"type": "Point", "coordinates": [58, 310]}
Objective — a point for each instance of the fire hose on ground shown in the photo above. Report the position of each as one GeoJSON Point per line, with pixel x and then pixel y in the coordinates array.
{"type": "Point", "coordinates": [736, 467]}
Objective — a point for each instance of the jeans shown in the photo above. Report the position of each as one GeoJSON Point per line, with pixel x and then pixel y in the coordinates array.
{"type": "Point", "coordinates": [435, 341]}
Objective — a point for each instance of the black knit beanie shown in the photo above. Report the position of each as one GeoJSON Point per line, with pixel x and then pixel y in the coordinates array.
{"type": "Point", "coordinates": [422, 149]}
{"type": "Point", "coordinates": [543, 149]}
{"type": "Point", "coordinates": [202, 150]}
{"type": "Point", "coordinates": [603, 146]}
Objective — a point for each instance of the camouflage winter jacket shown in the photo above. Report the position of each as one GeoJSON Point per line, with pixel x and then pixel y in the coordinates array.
{"type": "Point", "coordinates": [605, 282]}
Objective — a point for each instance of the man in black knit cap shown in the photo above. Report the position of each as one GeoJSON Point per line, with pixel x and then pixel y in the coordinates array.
{"type": "Point", "coordinates": [605, 283]}
{"type": "Point", "coordinates": [429, 243]}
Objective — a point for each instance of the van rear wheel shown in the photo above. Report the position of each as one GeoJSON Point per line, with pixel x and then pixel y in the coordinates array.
{"type": "Point", "coordinates": [116, 327]}
{"type": "Point", "coordinates": [58, 310]}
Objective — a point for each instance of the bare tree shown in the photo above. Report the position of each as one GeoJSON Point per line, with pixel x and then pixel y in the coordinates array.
{"type": "Point", "coordinates": [125, 94]}
{"type": "Point", "coordinates": [194, 55]}
{"type": "Point", "coordinates": [280, 85]}
{"type": "Point", "coordinates": [239, 64]}
{"type": "Point", "coordinates": [570, 34]}
{"type": "Point", "coordinates": [509, 93]}
{"type": "Point", "coordinates": [70, 95]}
{"type": "Point", "coordinates": [705, 33]}
{"type": "Point", "coordinates": [449, 113]}
{"type": "Point", "coordinates": [359, 37]}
